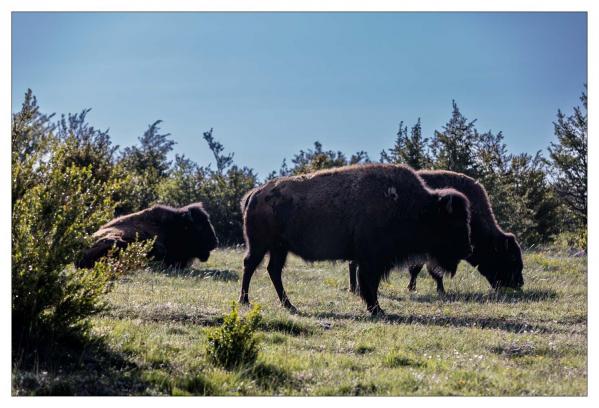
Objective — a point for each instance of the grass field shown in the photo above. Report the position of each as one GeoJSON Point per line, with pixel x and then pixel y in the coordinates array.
{"type": "Point", "coordinates": [470, 342]}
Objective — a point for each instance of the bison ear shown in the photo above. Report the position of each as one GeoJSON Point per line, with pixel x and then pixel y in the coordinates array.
{"type": "Point", "coordinates": [446, 203]}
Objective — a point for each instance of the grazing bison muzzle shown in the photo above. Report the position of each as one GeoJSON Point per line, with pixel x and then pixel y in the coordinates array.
{"type": "Point", "coordinates": [379, 215]}
{"type": "Point", "coordinates": [496, 253]}
{"type": "Point", "coordinates": [182, 234]}
{"type": "Point", "coordinates": [502, 265]}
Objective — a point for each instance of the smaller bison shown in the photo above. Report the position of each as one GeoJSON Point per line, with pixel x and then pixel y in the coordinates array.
{"type": "Point", "coordinates": [379, 215]}
{"type": "Point", "coordinates": [182, 234]}
{"type": "Point", "coordinates": [496, 253]}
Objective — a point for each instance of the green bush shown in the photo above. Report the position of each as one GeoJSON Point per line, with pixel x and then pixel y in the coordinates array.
{"type": "Point", "coordinates": [571, 240]}
{"type": "Point", "coordinates": [234, 343]}
{"type": "Point", "coordinates": [51, 224]}
{"type": "Point", "coordinates": [57, 204]}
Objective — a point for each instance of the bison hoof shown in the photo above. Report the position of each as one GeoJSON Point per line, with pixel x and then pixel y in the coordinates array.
{"type": "Point", "coordinates": [376, 311]}
{"type": "Point", "coordinates": [354, 290]}
{"type": "Point", "coordinates": [244, 300]}
{"type": "Point", "coordinates": [292, 309]}
{"type": "Point", "coordinates": [412, 288]}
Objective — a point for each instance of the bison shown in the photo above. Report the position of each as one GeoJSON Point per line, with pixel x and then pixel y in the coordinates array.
{"type": "Point", "coordinates": [496, 253]}
{"type": "Point", "coordinates": [379, 215]}
{"type": "Point", "coordinates": [182, 234]}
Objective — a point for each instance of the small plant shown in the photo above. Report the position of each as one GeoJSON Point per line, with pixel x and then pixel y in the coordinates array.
{"type": "Point", "coordinates": [364, 349]}
{"type": "Point", "coordinates": [396, 359]}
{"type": "Point", "coordinates": [134, 257]}
{"type": "Point", "coordinates": [234, 344]}
{"type": "Point", "coordinates": [571, 241]}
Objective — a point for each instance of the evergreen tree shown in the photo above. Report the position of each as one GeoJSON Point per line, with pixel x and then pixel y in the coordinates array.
{"type": "Point", "coordinates": [454, 147]}
{"type": "Point", "coordinates": [220, 190]}
{"type": "Point", "coordinates": [569, 160]}
{"type": "Point", "coordinates": [410, 150]}
{"type": "Point", "coordinates": [86, 145]}
{"type": "Point", "coordinates": [534, 209]}
{"type": "Point", "coordinates": [30, 128]}
{"type": "Point", "coordinates": [148, 165]}
{"type": "Point", "coordinates": [492, 164]}
{"type": "Point", "coordinates": [317, 159]}
{"type": "Point", "coordinates": [222, 160]}
{"type": "Point", "coordinates": [183, 185]}
{"type": "Point", "coordinates": [30, 136]}
{"type": "Point", "coordinates": [151, 153]}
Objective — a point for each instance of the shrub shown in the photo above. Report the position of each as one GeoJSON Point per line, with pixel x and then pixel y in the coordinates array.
{"type": "Point", "coordinates": [51, 224]}
{"type": "Point", "coordinates": [398, 359]}
{"type": "Point", "coordinates": [57, 204]}
{"type": "Point", "coordinates": [570, 241]}
{"type": "Point", "coordinates": [234, 344]}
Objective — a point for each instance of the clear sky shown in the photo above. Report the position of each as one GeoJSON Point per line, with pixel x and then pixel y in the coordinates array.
{"type": "Point", "coordinates": [273, 83]}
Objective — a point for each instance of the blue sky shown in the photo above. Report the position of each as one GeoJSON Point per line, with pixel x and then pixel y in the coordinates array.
{"type": "Point", "coordinates": [273, 83]}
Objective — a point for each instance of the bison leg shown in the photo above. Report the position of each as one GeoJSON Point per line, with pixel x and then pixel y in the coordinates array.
{"type": "Point", "coordinates": [438, 279]}
{"type": "Point", "coordinates": [353, 271]}
{"type": "Point", "coordinates": [250, 263]}
{"type": "Point", "coordinates": [414, 271]}
{"type": "Point", "coordinates": [275, 269]}
{"type": "Point", "coordinates": [368, 281]}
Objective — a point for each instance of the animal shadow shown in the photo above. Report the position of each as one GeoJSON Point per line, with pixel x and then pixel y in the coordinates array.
{"type": "Point", "coordinates": [81, 367]}
{"type": "Point", "coordinates": [524, 296]}
{"type": "Point", "coordinates": [509, 325]}
{"type": "Point", "coordinates": [224, 275]}
{"type": "Point", "coordinates": [270, 377]}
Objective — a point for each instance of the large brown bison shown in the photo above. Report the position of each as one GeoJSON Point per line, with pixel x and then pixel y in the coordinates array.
{"type": "Point", "coordinates": [379, 215]}
{"type": "Point", "coordinates": [496, 253]}
{"type": "Point", "coordinates": [182, 234]}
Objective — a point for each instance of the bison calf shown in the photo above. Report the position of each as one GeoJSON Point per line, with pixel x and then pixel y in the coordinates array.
{"type": "Point", "coordinates": [379, 215]}
{"type": "Point", "coordinates": [182, 234]}
{"type": "Point", "coordinates": [496, 253]}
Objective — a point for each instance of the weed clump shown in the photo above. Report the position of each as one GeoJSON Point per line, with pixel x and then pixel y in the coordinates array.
{"type": "Point", "coordinates": [395, 359]}
{"type": "Point", "coordinates": [234, 343]}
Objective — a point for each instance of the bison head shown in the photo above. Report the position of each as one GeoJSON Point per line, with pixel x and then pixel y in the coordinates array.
{"type": "Point", "coordinates": [449, 229]}
{"type": "Point", "coordinates": [198, 231]}
{"type": "Point", "coordinates": [503, 268]}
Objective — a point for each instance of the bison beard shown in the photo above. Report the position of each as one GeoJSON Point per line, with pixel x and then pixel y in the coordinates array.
{"type": "Point", "coordinates": [496, 253]}
{"type": "Point", "coordinates": [379, 215]}
{"type": "Point", "coordinates": [182, 234]}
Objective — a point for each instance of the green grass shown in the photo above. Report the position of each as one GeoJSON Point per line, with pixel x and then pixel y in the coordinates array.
{"type": "Point", "coordinates": [470, 342]}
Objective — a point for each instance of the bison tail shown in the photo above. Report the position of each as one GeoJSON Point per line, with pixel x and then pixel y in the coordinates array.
{"type": "Point", "coordinates": [385, 275]}
{"type": "Point", "coordinates": [245, 200]}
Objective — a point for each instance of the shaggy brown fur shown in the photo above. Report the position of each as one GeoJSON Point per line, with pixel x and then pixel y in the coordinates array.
{"type": "Point", "coordinates": [496, 253]}
{"type": "Point", "coordinates": [182, 234]}
{"type": "Point", "coordinates": [379, 215]}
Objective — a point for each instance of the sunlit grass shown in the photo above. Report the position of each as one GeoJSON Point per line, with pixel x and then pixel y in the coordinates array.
{"type": "Point", "coordinates": [471, 342]}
